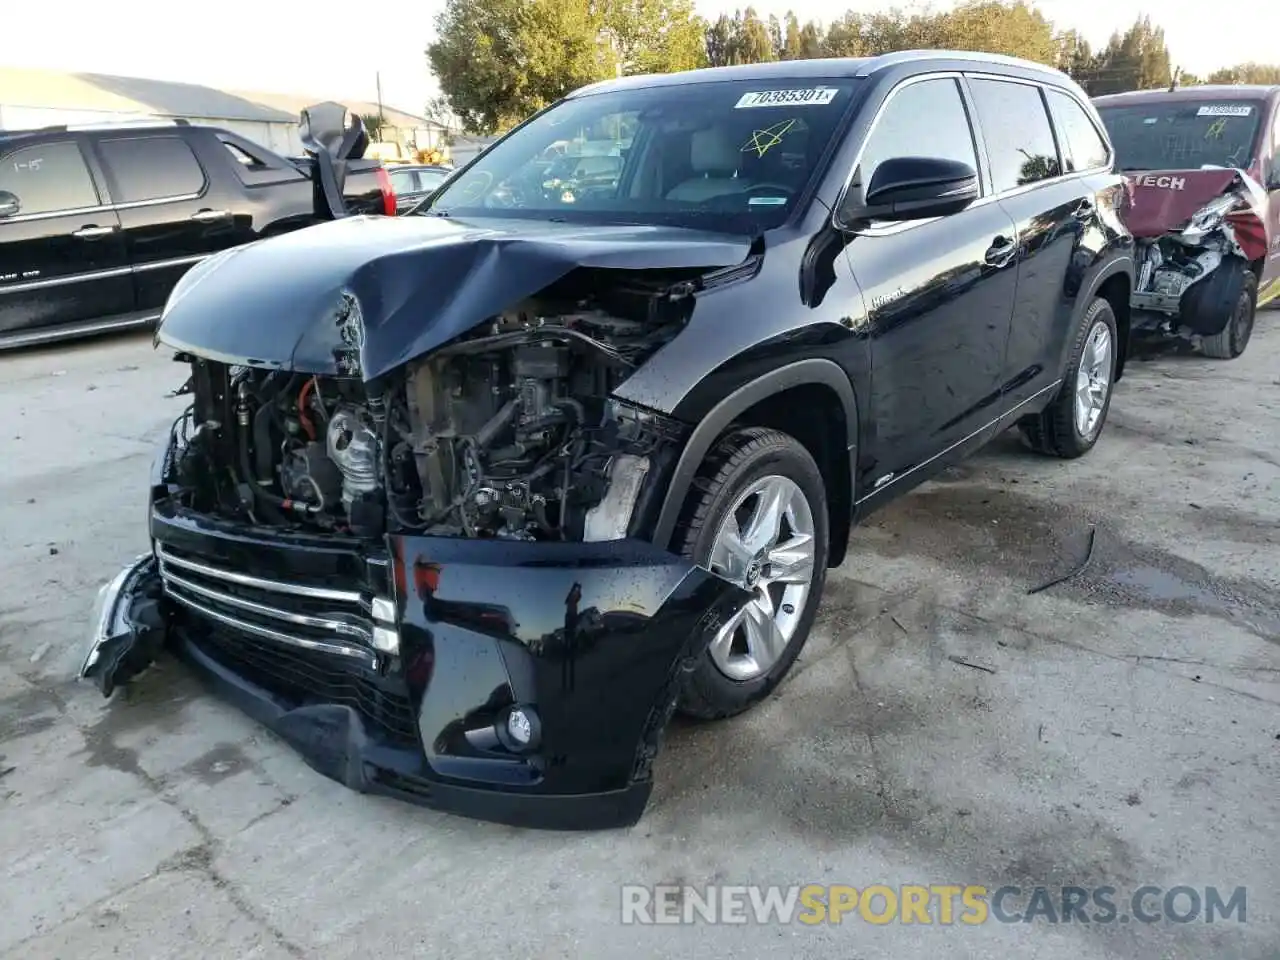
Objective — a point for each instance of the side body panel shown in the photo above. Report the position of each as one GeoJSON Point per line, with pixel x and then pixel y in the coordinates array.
{"type": "Point", "coordinates": [63, 265]}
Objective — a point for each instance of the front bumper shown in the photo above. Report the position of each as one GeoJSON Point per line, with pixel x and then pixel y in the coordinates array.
{"type": "Point", "coordinates": [586, 639]}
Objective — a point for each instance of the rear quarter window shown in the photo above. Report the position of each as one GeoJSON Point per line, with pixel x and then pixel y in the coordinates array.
{"type": "Point", "coordinates": [1083, 147]}
{"type": "Point", "coordinates": [151, 168]}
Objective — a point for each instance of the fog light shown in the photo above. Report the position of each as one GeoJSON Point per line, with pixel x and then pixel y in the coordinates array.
{"type": "Point", "coordinates": [520, 727]}
{"type": "Point", "coordinates": [521, 730]}
{"type": "Point", "coordinates": [386, 640]}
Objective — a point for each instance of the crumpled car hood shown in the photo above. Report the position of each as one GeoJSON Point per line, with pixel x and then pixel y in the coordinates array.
{"type": "Point", "coordinates": [1158, 201]}
{"type": "Point", "coordinates": [417, 282]}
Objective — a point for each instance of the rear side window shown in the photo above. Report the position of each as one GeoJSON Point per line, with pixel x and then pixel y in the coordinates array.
{"type": "Point", "coordinates": [1016, 128]}
{"type": "Point", "coordinates": [151, 168]}
{"type": "Point", "coordinates": [1083, 147]}
{"type": "Point", "coordinates": [922, 119]}
{"type": "Point", "coordinates": [243, 157]}
{"type": "Point", "coordinates": [48, 178]}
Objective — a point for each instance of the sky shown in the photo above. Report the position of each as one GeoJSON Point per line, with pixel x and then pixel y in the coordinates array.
{"type": "Point", "coordinates": [271, 46]}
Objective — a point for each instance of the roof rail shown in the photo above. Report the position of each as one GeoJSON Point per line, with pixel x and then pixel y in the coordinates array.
{"type": "Point", "coordinates": [108, 125]}
{"type": "Point", "coordinates": [910, 56]}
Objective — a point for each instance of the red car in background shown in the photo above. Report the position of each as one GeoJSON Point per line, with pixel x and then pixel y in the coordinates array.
{"type": "Point", "coordinates": [1202, 166]}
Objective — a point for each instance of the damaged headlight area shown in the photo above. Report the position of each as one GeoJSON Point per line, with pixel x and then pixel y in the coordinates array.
{"type": "Point", "coordinates": [508, 432]}
{"type": "Point", "coordinates": [1209, 217]}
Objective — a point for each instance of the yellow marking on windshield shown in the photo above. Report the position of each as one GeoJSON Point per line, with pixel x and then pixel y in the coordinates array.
{"type": "Point", "coordinates": [762, 141]}
{"type": "Point", "coordinates": [1215, 129]}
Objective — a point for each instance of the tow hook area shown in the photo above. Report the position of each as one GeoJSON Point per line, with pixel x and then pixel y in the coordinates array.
{"type": "Point", "coordinates": [129, 626]}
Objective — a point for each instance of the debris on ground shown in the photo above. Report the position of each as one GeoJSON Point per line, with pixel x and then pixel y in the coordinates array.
{"type": "Point", "coordinates": [1079, 568]}
{"type": "Point", "coordinates": [968, 663]}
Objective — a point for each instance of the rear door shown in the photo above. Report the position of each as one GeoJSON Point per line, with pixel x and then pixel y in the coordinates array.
{"type": "Point", "coordinates": [1056, 215]}
{"type": "Point", "coordinates": [63, 260]}
{"type": "Point", "coordinates": [172, 213]}
{"type": "Point", "coordinates": [940, 292]}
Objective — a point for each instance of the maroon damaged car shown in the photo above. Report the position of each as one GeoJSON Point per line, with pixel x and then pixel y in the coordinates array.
{"type": "Point", "coordinates": [1202, 166]}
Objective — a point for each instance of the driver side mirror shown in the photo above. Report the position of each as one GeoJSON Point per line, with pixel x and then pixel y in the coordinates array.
{"type": "Point", "coordinates": [9, 204]}
{"type": "Point", "coordinates": [918, 188]}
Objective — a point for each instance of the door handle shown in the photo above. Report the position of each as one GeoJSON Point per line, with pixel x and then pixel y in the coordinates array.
{"type": "Point", "coordinates": [1085, 209]}
{"type": "Point", "coordinates": [93, 232]}
{"type": "Point", "coordinates": [210, 216]}
{"type": "Point", "coordinates": [1000, 252]}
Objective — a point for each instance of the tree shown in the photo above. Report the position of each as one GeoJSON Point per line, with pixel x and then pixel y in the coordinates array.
{"type": "Point", "coordinates": [720, 42]}
{"type": "Point", "coordinates": [497, 61]}
{"type": "Point", "coordinates": [1247, 73]}
{"type": "Point", "coordinates": [793, 41]}
{"type": "Point", "coordinates": [776, 39]}
{"type": "Point", "coordinates": [656, 36]}
{"type": "Point", "coordinates": [1138, 59]}
{"type": "Point", "coordinates": [1015, 29]}
{"type": "Point", "coordinates": [812, 41]}
{"type": "Point", "coordinates": [1075, 57]}
{"type": "Point", "coordinates": [844, 37]}
{"type": "Point", "coordinates": [754, 44]}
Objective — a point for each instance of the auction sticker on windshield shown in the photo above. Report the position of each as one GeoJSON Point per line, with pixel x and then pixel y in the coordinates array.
{"type": "Point", "coordinates": [808, 97]}
{"type": "Point", "coordinates": [1225, 110]}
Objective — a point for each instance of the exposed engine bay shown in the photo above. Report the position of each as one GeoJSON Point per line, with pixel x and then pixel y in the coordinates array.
{"type": "Point", "coordinates": [1191, 228]}
{"type": "Point", "coordinates": [1170, 265]}
{"type": "Point", "coordinates": [506, 432]}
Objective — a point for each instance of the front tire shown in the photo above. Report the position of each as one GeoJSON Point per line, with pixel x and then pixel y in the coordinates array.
{"type": "Point", "coordinates": [1234, 337]}
{"type": "Point", "coordinates": [1070, 426]}
{"type": "Point", "coordinates": [757, 515]}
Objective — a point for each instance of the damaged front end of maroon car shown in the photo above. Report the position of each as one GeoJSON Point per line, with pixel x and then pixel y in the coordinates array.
{"type": "Point", "coordinates": [1201, 237]}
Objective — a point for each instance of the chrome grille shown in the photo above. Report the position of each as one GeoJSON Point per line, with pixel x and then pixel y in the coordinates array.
{"type": "Point", "coordinates": [318, 619]}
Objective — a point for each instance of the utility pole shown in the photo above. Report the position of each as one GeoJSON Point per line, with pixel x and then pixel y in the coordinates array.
{"type": "Point", "coordinates": [378, 80]}
{"type": "Point", "coordinates": [1177, 74]}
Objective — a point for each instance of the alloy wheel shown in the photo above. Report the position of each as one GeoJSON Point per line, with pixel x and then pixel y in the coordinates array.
{"type": "Point", "coordinates": [1093, 379]}
{"type": "Point", "coordinates": [765, 544]}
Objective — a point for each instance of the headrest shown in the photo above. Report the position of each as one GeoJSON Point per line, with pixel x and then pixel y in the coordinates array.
{"type": "Point", "coordinates": [711, 151]}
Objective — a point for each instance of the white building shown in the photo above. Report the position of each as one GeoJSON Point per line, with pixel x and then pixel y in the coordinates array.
{"type": "Point", "coordinates": [39, 98]}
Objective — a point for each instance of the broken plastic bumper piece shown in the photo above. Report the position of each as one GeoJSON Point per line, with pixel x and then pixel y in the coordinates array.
{"type": "Point", "coordinates": [524, 684]}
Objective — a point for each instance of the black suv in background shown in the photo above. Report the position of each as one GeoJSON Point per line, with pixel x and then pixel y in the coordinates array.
{"type": "Point", "coordinates": [468, 501]}
{"type": "Point", "coordinates": [97, 224]}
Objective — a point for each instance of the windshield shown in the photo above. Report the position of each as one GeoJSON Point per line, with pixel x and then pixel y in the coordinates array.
{"type": "Point", "coordinates": [716, 155]}
{"type": "Point", "coordinates": [1183, 134]}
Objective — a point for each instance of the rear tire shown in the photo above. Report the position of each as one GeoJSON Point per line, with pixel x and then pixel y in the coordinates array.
{"type": "Point", "coordinates": [1070, 426]}
{"type": "Point", "coordinates": [1231, 342]}
{"type": "Point", "coordinates": [751, 476]}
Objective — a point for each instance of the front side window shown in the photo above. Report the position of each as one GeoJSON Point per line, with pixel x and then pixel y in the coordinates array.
{"type": "Point", "coordinates": [1016, 128]}
{"type": "Point", "coordinates": [1084, 148]}
{"type": "Point", "coordinates": [926, 118]}
{"type": "Point", "coordinates": [151, 168]}
{"type": "Point", "coordinates": [48, 178]}
{"type": "Point", "coordinates": [1182, 134]}
{"type": "Point", "coordinates": [714, 155]}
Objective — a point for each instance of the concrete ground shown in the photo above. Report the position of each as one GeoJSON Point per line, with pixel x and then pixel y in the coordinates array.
{"type": "Point", "coordinates": [943, 726]}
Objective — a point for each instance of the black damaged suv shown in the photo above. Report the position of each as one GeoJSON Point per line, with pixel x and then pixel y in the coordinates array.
{"type": "Point", "coordinates": [467, 502]}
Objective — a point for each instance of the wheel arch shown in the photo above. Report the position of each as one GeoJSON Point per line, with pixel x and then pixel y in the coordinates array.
{"type": "Point", "coordinates": [823, 417]}
{"type": "Point", "coordinates": [1115, 285]}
